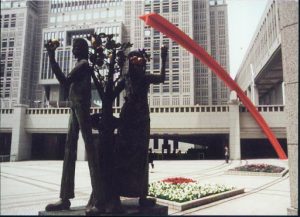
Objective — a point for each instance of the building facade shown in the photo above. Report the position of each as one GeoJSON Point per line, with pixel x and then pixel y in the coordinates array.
{"type": "Point", "coordinates": [26, 74]}
{"type": "Point", "coordinates": [26, 77]}
{"type": "Point", "coordinates": [188, 81]}
{"type": "Point", "coordinates": [20, 21]}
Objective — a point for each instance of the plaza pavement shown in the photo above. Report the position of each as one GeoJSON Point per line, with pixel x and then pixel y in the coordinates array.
{"type": "Point", "coordinates": [27, 186]}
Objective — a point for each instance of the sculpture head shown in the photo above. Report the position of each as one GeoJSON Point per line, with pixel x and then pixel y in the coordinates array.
{"type": "Point", "coordinates": [80, 48]}
{"type": "Point", "coordinates": [137, 63]}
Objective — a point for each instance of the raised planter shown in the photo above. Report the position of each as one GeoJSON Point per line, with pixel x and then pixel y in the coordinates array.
{"type": "Point", "coordinates": [199, 202]}
{"type": "Point", "coordinates": [247, 173]}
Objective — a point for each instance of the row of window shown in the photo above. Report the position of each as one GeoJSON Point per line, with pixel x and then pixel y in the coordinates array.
{"type": "Point", "coordinates": [8, 20]}
{"type": "Point", "coordinates": [7, 54]}
{"type": "Point", "coordinates": [169, 100]}
{"type": "Point", "coordinates": [86, 16]}
{"type": "Point", "coordinates": [71, 5]}
{"type": "Point", "coordinates": [164, 7]}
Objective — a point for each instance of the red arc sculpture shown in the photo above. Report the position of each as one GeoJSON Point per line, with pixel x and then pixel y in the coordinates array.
{"type": "Point", "coordinates": [164, 26]}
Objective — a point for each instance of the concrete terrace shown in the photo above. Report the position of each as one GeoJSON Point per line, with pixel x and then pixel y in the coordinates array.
{"type": "Point", "coordinates": [26, 187]}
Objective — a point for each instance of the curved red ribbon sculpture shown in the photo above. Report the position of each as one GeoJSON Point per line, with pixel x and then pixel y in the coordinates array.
{"type": "Point", "coordinates": [164, 26]}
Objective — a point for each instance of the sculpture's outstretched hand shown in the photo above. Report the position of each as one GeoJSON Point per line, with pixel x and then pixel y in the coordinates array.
{"type": "Point", "coordinates": [164, 52]}
{"type": "Point", "coordinates": [51, 46]}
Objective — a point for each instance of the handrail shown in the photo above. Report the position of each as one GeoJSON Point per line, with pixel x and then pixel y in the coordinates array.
{"type": "Point", "coordinates": [165, 109]}
{"type": "Point", "coordinates": [161, 109]}
{"type": "Point", "coordinates": [265, 108]}
{"type": "Point", "coordinates": [154, 109]}
{"type": "Point", "coordinates": [6, 111]}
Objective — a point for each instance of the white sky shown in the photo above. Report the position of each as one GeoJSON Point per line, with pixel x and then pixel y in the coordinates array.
{"type": "Point", "coordinates": [243, 19]}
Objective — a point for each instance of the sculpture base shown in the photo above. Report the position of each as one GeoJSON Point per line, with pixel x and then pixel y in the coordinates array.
{"type": "Point", "coordinates": [131, 208]}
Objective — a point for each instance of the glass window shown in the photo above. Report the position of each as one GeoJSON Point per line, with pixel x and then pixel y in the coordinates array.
{"type": "Point", "coordinates": [155, 88]}
{"type": "Point", "coordinates": [4, 44]}
{"type": "Point", "coordinates": [165, 8]}
{"type": "Point", "coordinates": [175, 89]}
{"type": "Point", "coordinates": [147, 32]}
{"type": "Point", "coordinates": [165, 89]}
{"type": "Point", "coordinates": [13, 23]}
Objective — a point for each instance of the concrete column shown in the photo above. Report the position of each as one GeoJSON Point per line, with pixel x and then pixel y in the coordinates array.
{"type": "Point", "coordinates": [289, 29]}
{"type": "Point", "coordinates": [234, 128]}
{"type": "Point", "coordinates": [81, 152]}
{"type": "Point", "coordinates": [20, 139]}
{"type": "Point", "coordinates": [255, 95]}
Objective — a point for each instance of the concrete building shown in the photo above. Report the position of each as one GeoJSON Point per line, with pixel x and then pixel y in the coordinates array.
{"type": "Point", "coordinates": [66, 21]}
{"type": "Point", "coordinates": [188, 82]}
{"type": "Point", "coordinates": [269, 74]}
{"type": "Point", "coordinates": [21, 23]}
{"type": "Point", "coordinates": [23, 128]}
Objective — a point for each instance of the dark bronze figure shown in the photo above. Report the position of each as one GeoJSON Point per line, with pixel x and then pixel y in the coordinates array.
{"type": "Point", "coordinates": [118, 164]}
{"type": "Point", "coordinates": [132, 142]}
{"type": "Point", "coordinates": [78, 83]}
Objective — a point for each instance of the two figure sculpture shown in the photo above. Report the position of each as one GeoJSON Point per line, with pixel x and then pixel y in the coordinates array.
{"type": "Point", "coordinates": [129, 170]}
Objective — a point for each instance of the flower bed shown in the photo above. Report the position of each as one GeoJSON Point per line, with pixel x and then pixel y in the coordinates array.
{"type": "Point", "coordinates": [182, 189]}
{"type": "Point", "coordinates": [258, 169]}
{"type": "Point", "coordinates": [267, 168]}
{"type": "Point", "coordinates": [182, 193]}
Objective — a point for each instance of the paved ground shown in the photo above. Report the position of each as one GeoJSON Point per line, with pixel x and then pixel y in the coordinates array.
{"type": "Point", "coordinates": [26, 187]}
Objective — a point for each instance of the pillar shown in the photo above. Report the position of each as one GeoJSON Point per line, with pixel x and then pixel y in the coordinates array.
{"type": "Point", "coordinates": [255, 95]}
{"type": "Point", "coordinates": [234, 128]}
{"type": "Point", "coordinates": [288, 16]}
{"type": "Point", "coordinates": [81, 152]}
{"type": "Point", "coordinates": [20, 139]}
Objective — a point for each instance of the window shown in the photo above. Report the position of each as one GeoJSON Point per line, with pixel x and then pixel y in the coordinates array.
{"type": "Point", "coordinates": [175, 89]}
{"type": "Point", "coordinates": [165, 8]}
{"type": "Point", "coordinates": [175, 77]}
{"type": "Point", "coordinates": [147, 33]}
{"type": "Point", "coordinates": [156, 88]}
{"type": "Point", "coordinates": [11, 42]}
{"type": "Point", "coordinates": [4, 43]}
{"type": "Point", "coordinates": [175, 6]}
{"type": "Point", "coordinates": [165, 89]}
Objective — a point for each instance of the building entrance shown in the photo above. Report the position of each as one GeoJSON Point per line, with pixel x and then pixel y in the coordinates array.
{"type": "Point", "coordinates": [48, 146]}
{"type": "Point", "coordinates": [260, 148]}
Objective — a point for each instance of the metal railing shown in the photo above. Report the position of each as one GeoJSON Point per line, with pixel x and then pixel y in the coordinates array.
{"type": "Point", "coordinates": [171, 109]}
{"type": "Point", "coordinates": [265, 108]}
{"type": "Point", "coordinates": [166, 109]}
{"type": "Point", "coordinates": [6, 111]}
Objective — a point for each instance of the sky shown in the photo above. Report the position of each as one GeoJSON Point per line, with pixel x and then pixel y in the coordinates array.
{"type": "Point", "coordinates": [243, 19]}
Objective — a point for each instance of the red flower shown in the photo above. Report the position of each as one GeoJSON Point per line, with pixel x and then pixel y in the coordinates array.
{"type": "Point", "coordinates": [178, 180]}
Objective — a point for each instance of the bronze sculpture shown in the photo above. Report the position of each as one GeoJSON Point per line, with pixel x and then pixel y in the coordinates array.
{"type": "Point", "coordinates": [132, 143]}
{"type": "Point", "coordinates": [109, 179]}
{"type": "Point", "coordinates": [78, 82]}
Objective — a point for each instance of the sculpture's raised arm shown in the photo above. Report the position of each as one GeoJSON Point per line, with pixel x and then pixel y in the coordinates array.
{"type": "Point", "coordinates": [156, 79]}
{"type": "Point", "coordinates": [51, 47]}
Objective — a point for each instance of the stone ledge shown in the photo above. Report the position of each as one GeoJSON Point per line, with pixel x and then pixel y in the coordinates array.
{"type": "Point", "coordinates": [246, 173]}
{"type": "Point", "coordinates": [131, 206]}
{"type": "Point", "coordinates": [202, 201]}
{"type": "Point", "coordinates": [292, 211]}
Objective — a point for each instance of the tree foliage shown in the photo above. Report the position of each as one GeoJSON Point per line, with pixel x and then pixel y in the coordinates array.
{"type": "Point", "coordinates": [108, 58]}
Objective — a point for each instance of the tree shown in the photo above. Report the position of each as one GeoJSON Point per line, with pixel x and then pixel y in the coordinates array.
{"type": "Point", "coordinates": [108, 59]}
